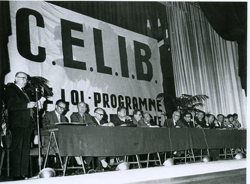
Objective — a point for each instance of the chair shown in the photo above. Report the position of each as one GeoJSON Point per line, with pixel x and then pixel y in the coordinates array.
{"type": "Point", "coordinates": [225, 153]}
{"type": "Point", "coordinates": [54, 145]}
{"type": "Point", "coordinates": [126, 159]}
{"type": "Point", "coordinates": [188, 154]}
{"type": "Point", "coordinates": [34, 153]}
{"type": "Point", "coordinates": [153, 160]}
{"type": "Point", "coordinates": [66, 163]}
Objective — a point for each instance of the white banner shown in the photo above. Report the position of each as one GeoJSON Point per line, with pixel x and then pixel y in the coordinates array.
{"type": "Point", "coordinates": [84, 59]}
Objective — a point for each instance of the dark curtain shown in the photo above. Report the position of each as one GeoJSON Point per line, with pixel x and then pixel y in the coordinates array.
{"type": "Point", "coordinates": [229, 20]}
{"type": "Point", "coordinates": [5, 31]}
{"type": "Point", "coordinates": [129, 15]}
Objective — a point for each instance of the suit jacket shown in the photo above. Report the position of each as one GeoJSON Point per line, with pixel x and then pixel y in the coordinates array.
{"type": "Point", "coordinates": [182, 123]}
{"type": "Point", "coordinates": [18, 113]}
{"type": "Point", "coordinates": [169, 123]}
{"type": "Point", "coordinates": [221, 125]}
{"type": "Point", "coordinates": [76, 117]}
{"type": "Point", "coordinates": [50, 119]}
{"type": "Point", "coordinates": [118, 122]}
{"type": "Point", "coordinates": [139, 123]}
{"type": "Point", "coordinates": [202, 123]}
{"type": "Point", "coordinates": [95, 123]}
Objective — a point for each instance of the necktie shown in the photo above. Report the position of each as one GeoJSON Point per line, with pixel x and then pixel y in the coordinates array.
{"type": "Point", "coordinates": [31, 110]}
{"type": "Point", "coordinates": [25, 94]}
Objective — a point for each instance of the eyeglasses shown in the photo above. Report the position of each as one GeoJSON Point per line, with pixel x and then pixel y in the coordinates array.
{"type": "Point", "coordinates": [24, 78]}
{"type": "Point", "coordinates": [63, 108]}
{"type": "Point", "coordinates": [139, 114]}
{"type": "Point", "coordinates": [99, 114]}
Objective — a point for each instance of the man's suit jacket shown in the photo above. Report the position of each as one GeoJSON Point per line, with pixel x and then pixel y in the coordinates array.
{"type": "Point", "coordinates": [118, 122]}
{"type": "Point", "coordinates": [95, 123]}
{"type": "Point", "coordinates": [50, 119]}
{"type": "Point", "coordinates": [169, 123]}
{"type": "Point", "coordinates": [139, 123]}
{"type": "Point", "coordinates": [202, 123]}
{"type": "Point", "coordinates": [220, 125]}
{"type": "Point", "coordinates": [76, 117]}
{"type": "Point", "coordinates": [18, 113]}
{"type": "Point", "coordinates": [182, 123]}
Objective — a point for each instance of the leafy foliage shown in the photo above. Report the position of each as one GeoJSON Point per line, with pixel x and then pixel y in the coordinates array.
{"type": "Point", "coordinates": [40, 84]}
{"type": "Point", "coordinates": [185, 103]}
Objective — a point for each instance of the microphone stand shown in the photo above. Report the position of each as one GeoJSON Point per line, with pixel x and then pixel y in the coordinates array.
{"type": "Point", "coordinates": [38, 133]}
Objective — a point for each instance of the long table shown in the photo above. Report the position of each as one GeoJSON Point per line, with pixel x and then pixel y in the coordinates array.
{"type": "Point", "coordinates": [77, 140]}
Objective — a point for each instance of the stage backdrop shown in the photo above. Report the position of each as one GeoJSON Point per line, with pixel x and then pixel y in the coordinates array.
{"type": "Point", "coordinates": [84, 59]}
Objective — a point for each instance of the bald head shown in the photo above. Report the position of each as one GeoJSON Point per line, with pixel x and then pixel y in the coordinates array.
{"type": "Point", "coordinates": [21, 79]}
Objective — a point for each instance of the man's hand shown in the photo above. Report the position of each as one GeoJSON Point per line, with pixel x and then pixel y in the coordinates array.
{"type": "Point", "coordinates": [198, 126]}
{"type": "Point", "coordinates": [30, 105]}
{"type": "Point", "coordinates": [40, 102]}
{"type": "Point", "coordinates": [127, 117]}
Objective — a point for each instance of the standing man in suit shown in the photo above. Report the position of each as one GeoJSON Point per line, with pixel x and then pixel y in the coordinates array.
{"type": "Point", "coordinates": [81, 116]}
{"type": "Point", "coordinates": [171, 123]}
{"type": "Point", "coordinates": [21, 124]}
{"type": "Point", "coordinates": [56, 116]}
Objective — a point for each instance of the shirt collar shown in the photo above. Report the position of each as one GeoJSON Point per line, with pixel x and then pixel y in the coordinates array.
{"type": "Point", "coordinates": [57, 113]}
{"type": "Point", "coordinates": [98, 121]}
{"type": "Point", "coordinates": [123, 119]}
{"type": "Point", "coordinates": [19, 87]}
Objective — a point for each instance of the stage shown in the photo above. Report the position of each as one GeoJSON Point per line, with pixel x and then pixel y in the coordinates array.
{"type": "Point", "coordinates": [223, 171]}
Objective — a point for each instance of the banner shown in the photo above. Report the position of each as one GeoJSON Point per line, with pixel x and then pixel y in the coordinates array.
{"type": "Point", "coordinates": [84, 59]}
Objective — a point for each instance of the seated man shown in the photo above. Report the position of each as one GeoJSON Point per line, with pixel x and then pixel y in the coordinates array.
{"type": "Point", "coordinates": [209, 118]}
{"type": "Point", "coordinates": [199, 120]}
{"type": "Point", "coordinates": [220, 120]}
{"type": "Point", "coordinates": [230, 123]}
{"type": "Point", "coordinates": [81, 116]}
{"type": "Point", "coordinates": [138, 120]}
{"type": "Point", "coordinates": [172, 122]}
{"type": "Point", "coordinates": [236, 122]}
{"type": "Point", "coordinates": [53, 117]}
{"type": "Point", "coordinates": [98, 118]}
{"type": "Point", "coordinates": [185, 122]}
{"type": "Point", "coordinates": [148, 119]}
{"type": "Point", "coordinates": [121, 118]}
{"type": "Point", "coordinates": [226, 123]}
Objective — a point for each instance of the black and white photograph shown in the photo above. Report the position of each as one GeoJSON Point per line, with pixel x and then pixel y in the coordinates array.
{"type": "Point", "coordinates": [122, 92]}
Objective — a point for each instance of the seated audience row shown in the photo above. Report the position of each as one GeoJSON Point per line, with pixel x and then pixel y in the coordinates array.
{"type": "Point", "coordinates": [202, 120]}
{"type": "Point", "coordinates": [119, 119]}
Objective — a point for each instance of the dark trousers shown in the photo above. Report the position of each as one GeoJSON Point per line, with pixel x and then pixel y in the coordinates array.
{"type": "Point", "coordinates": [20, 151]}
